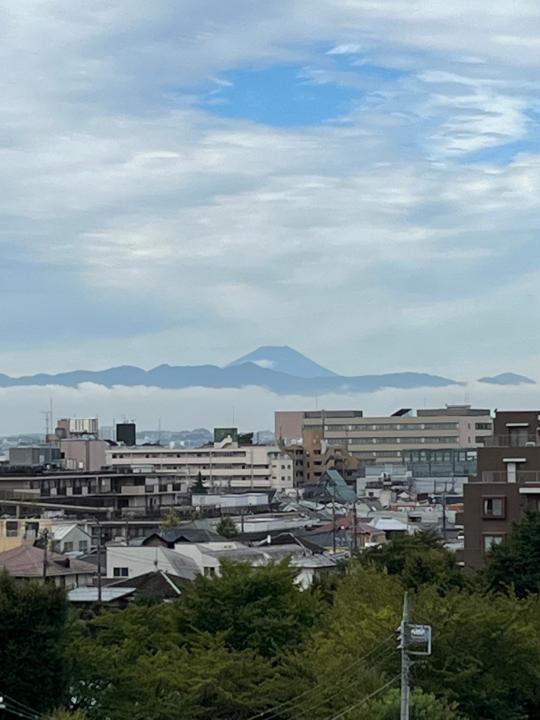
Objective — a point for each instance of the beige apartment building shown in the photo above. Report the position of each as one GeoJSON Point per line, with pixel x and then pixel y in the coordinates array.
{"type": "Point", "coordinates": [386, 439]}
{"type": "Point", "coordinates": [222, 465]}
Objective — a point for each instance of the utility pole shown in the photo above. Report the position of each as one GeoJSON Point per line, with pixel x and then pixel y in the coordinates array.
{"type": "Point", "coordinates": [333, 517]}
{"type": "Point", "coordinates": [99, 543]}
{"type": "Point", "coordinates": [444, 512]}
{"type": "Point", "coordinates": [405, 661]}
{"type": "Point", "coordinates": [45, 536]}
{"type": "Point", "coordinates": [355, 528]}
{"type": "Point", "coordinates": [414, 640]}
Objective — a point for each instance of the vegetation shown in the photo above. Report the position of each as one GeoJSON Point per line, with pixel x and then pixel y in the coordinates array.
{"type": "Point", "coordinates": [251, 643]}
{"type": "Point", "coordinates": [515, 564]}
{"type": "Point", "coordinates": [227, 528]}
{"type": "Point", "coordinates": [172, 519]}
{"type": "Point", "coordinates": [198, 487]}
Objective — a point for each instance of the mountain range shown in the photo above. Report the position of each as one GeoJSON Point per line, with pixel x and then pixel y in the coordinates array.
{"type": "Point", "coordinates": [282, 370]}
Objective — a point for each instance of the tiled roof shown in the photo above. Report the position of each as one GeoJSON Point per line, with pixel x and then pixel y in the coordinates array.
{"type": "Point", "coordinates": [27, 561]}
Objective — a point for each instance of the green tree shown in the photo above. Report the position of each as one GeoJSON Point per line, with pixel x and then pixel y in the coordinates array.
{"type": "Point", "coordinates": [198, 487]}
{"type": "Point", "coordinates": [33, 622]}
{"type": "Point", "coordinates": [515, 564]}
{"type": "Point", "coordinates": [418, 560]}
{"type": "Point", "coordinates": [261, 609]}
{"type": "Point", "coordinates": [227, 528]}
{"type": "Point", "coordinates": [424, 706]}
{"type": "Point", "coordinates": [171, 520]}
{"type": "Point", "coordinates": [135, 665]}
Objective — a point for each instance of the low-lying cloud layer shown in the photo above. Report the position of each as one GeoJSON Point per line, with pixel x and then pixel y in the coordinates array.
{"type": "Point", "coordinates": [249, 408]}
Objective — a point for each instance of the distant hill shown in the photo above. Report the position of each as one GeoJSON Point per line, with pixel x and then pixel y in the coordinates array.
{"type": "Point", "coordinates": [508, 378]}
{"type": "Point", "coordinates": [292, 374]}
{"type": "Point", "coordinates": [286, 360]}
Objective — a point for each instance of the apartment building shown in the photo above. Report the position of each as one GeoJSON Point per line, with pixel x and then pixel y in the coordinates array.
{"type": "Point", "coordinates": [226, 465]}
{"type": "Point", "coordinates": [388, 439]}
{"type": "Point", "coordinates": [507, 483]}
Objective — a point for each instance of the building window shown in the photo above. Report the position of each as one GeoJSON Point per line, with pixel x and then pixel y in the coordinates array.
{"type": "Point", "coordinates": [483, 426]}
{"type": "Point", "coordinates": [12, 528]}
{"type": "Point", "coordinates": [209, 571]}
{"type": "Point", "coordinates": [120, 572]}
{"type": "Point", "coordinates": [83, 545]}
{"type": "Point", "coordinates": [68, 547]}
{"type": "Point", "coordinates": [494, 507]}
{"type": "Point", "coordinates": [491, 540]}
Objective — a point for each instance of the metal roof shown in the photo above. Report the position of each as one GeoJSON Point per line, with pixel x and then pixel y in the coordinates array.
{"type": "Point", "coordinates": [90, 594]}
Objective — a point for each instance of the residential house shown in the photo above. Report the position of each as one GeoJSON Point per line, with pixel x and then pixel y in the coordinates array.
{"type": "Point", "coordinates": [27, 562]}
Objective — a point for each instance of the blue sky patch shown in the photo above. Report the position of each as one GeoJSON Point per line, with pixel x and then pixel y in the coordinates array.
{"type": "Point", "coordinates": [281, 96]}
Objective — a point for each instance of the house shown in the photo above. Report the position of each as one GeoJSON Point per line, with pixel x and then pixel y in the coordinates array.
{"type": "Point", "coordinates": [15, 532]}
{"type": "Point", "coordinates": [156, 585]}
{"type": "Point", "coordinates": [367, 534]}
{"type": "Point", "coordinates": [29, 563]}
{"type": "Point", "coordinates": [70, 538]}
{"type": "Point", "coordinates": [129, 561]}
{"type": "Point", "coordinates": [86, 597]}
{"type": "Point", "coordinates": [169, 537]}
{"type": "Point", "coordinates": [392, 527]}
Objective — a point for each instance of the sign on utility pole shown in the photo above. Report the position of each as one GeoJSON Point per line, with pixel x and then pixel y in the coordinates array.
{"type": "Point", "coordinates": [414, 640]}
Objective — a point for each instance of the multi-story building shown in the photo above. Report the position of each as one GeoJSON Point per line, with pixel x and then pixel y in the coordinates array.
{"type": "Point", "coordinates": [226, 465]}
{"type": "Point", "coordinates": [507, 483]}
{"type": "Point", "coordinates": [389, 439]}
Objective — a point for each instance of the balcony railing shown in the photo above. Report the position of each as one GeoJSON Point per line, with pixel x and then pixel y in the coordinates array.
{"type": "Point", "coordinates": [501, 476]}
{"type": "Point", "coordinates": [510, 440]}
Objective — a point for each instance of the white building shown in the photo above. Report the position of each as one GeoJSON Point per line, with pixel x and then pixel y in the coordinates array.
{"type": "Point", "coordinates": [70, 538]}
{"type": "Point", "coordinates": [188, 560]}
{"type": "Point", "coordinates": [224, 465]}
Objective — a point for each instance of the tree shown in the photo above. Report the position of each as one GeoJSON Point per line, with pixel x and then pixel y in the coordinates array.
{"type": "Point", "coordinates": [171, 520]}
{"type": "Point", "coordinates": [515, 563]}
{"type": "Point", "coordinates": [227, 528]}
{"type": "Point", "coordinates": [33, 623]}
{"type": "Point", "coordinates": [198, 487]}
{"type": "Point", "coordinates": [424, 706]}
{"type": "Point", "coordinates": [261, 609]}
{"type": "Point", "coordinates": [419, 560]}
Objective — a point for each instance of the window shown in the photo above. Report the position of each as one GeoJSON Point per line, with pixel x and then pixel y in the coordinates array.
{"type": "Point", "coordinates": [494, 507]}
{"type": "Point", "coordinates": [483, 426]}
{"type": "Point", "coordinates": [209, 571]}
{"type": "Point", "coordinates": [68, 547]}
{"type": "Point", "coordinates": [120, 572]}
{"type": "Point", "coordinates": [12, 528]}
{"type": "Point", "coordinates": [83, 545]}
{"type": "Point", "coordinates": [491, 540]}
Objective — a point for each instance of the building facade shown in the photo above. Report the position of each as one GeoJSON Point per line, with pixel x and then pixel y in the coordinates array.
{"type": "Point", "coordinates": [390, 438]}
{"type": "Point", "coordinates": [507, 483]}
{"type": "Point", "coordinates": [225, 465]}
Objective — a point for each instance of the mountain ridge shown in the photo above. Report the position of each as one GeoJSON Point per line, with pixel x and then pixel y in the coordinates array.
{"type": "Point", "coordinates": [243, 372]}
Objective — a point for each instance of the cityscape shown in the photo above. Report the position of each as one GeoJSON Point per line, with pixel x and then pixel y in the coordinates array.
{"type": "Point", "coordinates": [269, 360]}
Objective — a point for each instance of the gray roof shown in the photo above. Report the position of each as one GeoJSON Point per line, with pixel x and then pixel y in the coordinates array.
{"type": "Point", "coordinates": [90, 594]}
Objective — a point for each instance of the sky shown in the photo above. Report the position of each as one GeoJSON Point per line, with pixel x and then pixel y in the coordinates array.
{"type": "Point", "coordinates": [185, 180]}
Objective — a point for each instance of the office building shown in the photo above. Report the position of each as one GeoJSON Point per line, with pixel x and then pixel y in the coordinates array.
{"type": "Point", "coordinates": [389, 438]}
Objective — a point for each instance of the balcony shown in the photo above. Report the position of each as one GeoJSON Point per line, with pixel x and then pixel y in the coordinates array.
{"type": "Point", "coordinates": [501, 476]}
{"type": "Point", "coordinates": [510, 440]}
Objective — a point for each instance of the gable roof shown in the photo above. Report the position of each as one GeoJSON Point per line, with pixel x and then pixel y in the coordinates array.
{"type": "Point", "coordinates": [27, 561]}
{"type": "Point", "coordinates": [171, 536]}
{"type": "Point", "coordinates": [156, 583]}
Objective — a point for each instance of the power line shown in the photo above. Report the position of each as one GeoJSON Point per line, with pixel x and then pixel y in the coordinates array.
{"type": "Point", "coordinates": [15, 707]}
{"type": "Point", "coordinates": [363, 701]}
{"type": "Point", "coordinates": [289, 704]}
{"type": "Point", "coordinates": [335, 694]}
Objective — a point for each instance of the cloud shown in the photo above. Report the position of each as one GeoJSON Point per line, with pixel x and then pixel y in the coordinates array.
{"type": "Point", "coordinates": [249, 408]}
{"type": "Point", "coordinates": [139, 227]}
